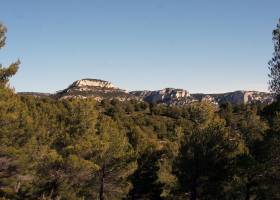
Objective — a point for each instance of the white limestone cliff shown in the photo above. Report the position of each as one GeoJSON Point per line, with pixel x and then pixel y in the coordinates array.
{"type": "Point", "coordinates": [93, 83]}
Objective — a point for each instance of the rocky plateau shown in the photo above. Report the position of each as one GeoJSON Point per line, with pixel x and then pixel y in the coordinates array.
{"type": "Point", "coordinates": [100, 89]}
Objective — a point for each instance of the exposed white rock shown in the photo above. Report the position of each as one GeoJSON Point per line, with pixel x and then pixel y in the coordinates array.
{"type": "Point", "coordinates": [94, 88]}
{"type": "Point", "coordinates": [99, 90]}
{"type": "Point", "coordinates": [209, 99]}
{"type": "Point", "coordinates": [255, 96]}
{"type": "Point", "coordinates": [174, 93]}
{"type": "Point", "coordinates": [170, 96]}
{"type": "Point", "coordinates": [92, 83]}
{"type": "Point", "coordinates": [245, 97]}
{"type": "Point", "coordinates": [182, 97]}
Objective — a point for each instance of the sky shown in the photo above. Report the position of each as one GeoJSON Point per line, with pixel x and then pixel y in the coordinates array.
{"type": "Point", "coordinates": [198, 45]}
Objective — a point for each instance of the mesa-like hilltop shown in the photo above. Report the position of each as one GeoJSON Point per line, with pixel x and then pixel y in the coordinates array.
{"type": "Point", "coordinates": [95, 88]}
{"type": "Point", "coordinates": [100, 89]}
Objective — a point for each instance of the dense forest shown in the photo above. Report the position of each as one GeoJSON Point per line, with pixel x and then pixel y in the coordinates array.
{"type": "Point", "coordinates": [79, 149]}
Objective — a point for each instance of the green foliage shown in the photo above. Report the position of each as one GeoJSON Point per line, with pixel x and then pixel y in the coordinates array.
{"type": "Point", "coordinates": [202, 166]}
{"type": "Point", "coordinates": [75, 149]}
{"type": "Point", "coordinates": [3, 31]}
{"type": "Point", "coordinates": [79, 149]}
{"type": "Point", "coordinates": [145, 180]}
{"type": "Point", "coordinates": [274, 63]}
{"type": "Point", "coordinates": [6, 73]}
{"type": "Point", "coordinates": [115, 159]}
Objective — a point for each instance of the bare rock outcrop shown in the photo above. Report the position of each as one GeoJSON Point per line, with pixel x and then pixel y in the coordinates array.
{"type": "Point", "coordinates": [100, 89]}
{"type": "Point", "coordinates": [94, 88]}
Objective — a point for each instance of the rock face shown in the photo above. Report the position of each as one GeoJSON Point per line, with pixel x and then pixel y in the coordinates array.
{"type": "Point", "coordinates": [166, 96]}
{"type": "Point", "coordinates": [182, 97]}
{"type": "Point", "coordinates": [209, 99]}
{"type": "Point", "coordinates": [237, 97]}
{"type": "Point", "coordinates": [92, 83]}
{"type": "Point", "coordinates": [245, 97]}
{"type": "Point", "coordinates": [95, 88]}
{"type": "Point", "coordinates": [99, 90]}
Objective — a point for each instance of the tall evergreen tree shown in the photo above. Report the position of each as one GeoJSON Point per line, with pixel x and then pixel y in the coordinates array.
{"type": "Point", "coordinates": [274, 63]}
{"type": "Point", "coordinates": [115, 159]}
{"type": "Point", "coordinates": [3, 31]}
{"type": "Point", "coordinates": [13, 135]}
{"type": "Point", "coordinates": [6, 73]}
{"type": "Point", "coordinates": [202, 166]}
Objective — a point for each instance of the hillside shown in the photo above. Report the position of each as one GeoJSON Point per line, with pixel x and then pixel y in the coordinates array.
{"type": "Point", "coordinates": [100, 89]}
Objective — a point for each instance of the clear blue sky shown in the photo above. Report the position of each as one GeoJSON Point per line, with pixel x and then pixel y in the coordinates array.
{"type": "Point", "coordinates": [198, 45]}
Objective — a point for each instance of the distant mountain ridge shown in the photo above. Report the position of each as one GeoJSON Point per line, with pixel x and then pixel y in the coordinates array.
{"type": "Point", "coordinates": [95, 88]}
{"type": "Point", "coordinates": [100, 89]}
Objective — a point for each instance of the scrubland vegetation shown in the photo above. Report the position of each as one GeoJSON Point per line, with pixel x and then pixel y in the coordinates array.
{"type": "Point", "coordinates": [81, 149]}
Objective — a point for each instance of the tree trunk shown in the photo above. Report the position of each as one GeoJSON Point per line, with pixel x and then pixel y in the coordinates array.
{"type": "Point", "coordinates": [101, 191]}
{"type": "Point", "coordinates": [17, 187]}
{"type": "Point", "coordinates": [193, 190]}
{"type": "Point", "coordinates": [247, 197]}
{"type": "Point", "coordinates": [193, 193]}
{"type": "Point", "coordinates": [248, 188]}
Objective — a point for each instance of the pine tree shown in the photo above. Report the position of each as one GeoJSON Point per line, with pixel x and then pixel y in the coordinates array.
{"type": "Point", "coordinates": [274, 63]}
{"type": "Point", "coordinates": [202, 164]}
{"type": "Point", "coordinates": [250, 169]}
{"type": "Point", "coordinates": [13, 120]}
{"type": "Point", "coordinates": [116, 161]}
{"type": "Point", "coordinates": [6, 73]}
{"type": "Point", "coordinates": [3, 31]}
